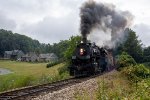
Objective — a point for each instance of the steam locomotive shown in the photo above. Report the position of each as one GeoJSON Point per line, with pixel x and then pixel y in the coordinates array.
{"type": "Point", "coordinates": [89, 59]}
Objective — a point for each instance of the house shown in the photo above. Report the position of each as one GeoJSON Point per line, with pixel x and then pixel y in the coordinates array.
{"type": "Point", "coordinates": [53, 57]}
{"type": "Point", "coordinates": [17, 54]}
{"type": "Point", "coordinates": [47, 57]}
{"type": "Point", "coordinates": [7, 54]}
{"type": "Point", "coordinates": [30, 57]}
{"type": "Point", "coordinates": [14, 54]}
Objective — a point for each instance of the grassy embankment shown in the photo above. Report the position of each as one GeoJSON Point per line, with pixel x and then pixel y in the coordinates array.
{"type": "Point", "coordinates": [116, 86]}
{"type": "Point", "coordinates": [27, 74]}
{"type": "Point", "coordinates": [130, 82]}
{"type": "Point", "coordinates": [110, 86]}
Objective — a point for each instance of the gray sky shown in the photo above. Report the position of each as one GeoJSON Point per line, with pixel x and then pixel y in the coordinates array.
{"type": "Point", "coordinates": [50, 21]}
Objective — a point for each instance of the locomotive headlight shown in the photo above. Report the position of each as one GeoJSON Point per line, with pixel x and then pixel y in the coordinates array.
{"type": "Point", "coordinates": [81, 51]}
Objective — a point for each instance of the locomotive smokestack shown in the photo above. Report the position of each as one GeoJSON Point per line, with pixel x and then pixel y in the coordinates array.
{"type": "Point", "coordinates": [84, 39]}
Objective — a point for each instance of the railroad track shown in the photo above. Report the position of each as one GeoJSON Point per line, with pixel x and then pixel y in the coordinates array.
{"type": "Point", "coordinates": [33, 91]}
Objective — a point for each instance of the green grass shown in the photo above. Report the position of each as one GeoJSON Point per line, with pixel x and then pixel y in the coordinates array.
{"type": "Point", "coordinates": [24, 68]}
{"type": "Point", "coordinates": [116, 86]}
{"type": "Point", "coordinates": [26, 74]}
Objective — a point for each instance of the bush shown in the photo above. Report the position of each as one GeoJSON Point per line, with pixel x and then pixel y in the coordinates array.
{"type": "Point", "coordinates": [125, 60]}
{"type": "Point", "coordinates": [137, 72]}
{"type": "Point", "coordinates": [141, 71]}
{"type": "Point", "coordinates": [147, 64]}
{"type": "Point", "coordinates": [53, 63]}
{"type": "Point", "coordinates": [64, 71]}
{"type": "Point", "coordinates": [139, 76]}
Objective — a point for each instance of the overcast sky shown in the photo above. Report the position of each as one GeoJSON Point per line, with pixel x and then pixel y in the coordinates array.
{"type": "Point", "coordinates": [50, 21]}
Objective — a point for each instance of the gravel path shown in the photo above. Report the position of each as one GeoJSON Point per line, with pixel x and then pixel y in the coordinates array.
{"type": "Point", "coordinates": [4, 71]}
{"type": "Point", "coordinates": [70, 93]}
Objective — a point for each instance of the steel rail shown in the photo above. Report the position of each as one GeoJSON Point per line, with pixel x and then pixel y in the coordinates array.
{"type": "Point", "coordinates": [33, 91]}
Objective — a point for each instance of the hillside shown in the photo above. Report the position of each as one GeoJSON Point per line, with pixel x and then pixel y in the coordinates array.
{"type": "Point", "coordinates": [14, 41]}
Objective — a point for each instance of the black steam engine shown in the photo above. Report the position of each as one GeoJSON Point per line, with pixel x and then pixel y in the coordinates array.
{"type": "Point", "coordinates": [88, 59]}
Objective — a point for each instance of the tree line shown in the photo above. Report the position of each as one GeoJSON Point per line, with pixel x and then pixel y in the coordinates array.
{"type": "Point", "coordinates": [134, 47]}
{"type": "Point", "coordinates": [131, 45]}
{"type": "Point", "coordinates": [14, 41]}
{"type": "Point", "coordinates": [64, 49]}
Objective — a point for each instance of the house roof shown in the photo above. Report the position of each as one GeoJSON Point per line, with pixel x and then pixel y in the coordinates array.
{"type": "Point", "coordinates": [8, 52]}
{"type": "Point", "coordinates": [53, 55]}
{"type": "Point", "coordinates": [16, 52]}
{"type": "Point", "coordinates": [13, 52]}
{"type": "Point", "coordinates": [44, 56]}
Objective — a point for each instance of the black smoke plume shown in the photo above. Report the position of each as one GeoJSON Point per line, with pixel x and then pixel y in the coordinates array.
{"type": "Point", "coordinates": [106, 18]}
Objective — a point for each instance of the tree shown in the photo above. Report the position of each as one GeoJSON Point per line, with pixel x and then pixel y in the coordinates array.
{"type": "Point", "coordinates": [60, 48]}
{"type": "Point", "coordinates": [12, 41]}
{"type": "Point", "coordinates": [146, 54]}
{"type": "Point", "coordinates": [125, 60]}
{"type": "Point", "coordinates": [132, 46]}
{"type": "Point", "coordinates": [72, 45]}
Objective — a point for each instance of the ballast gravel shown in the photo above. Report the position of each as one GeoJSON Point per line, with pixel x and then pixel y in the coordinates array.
{"type": "Point", "coordinates": [73, 92]}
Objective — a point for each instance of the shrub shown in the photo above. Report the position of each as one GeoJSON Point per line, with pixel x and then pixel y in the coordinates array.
{"type": "Point", "coordinates": [125, 60]}
{"type": "Point", "coordinates": [137, 72]}
{"type": "Point", "coordinates": [142, 89]}
{"type": "Point", "coordinates": [147, 64]}
{"type": "Point", "coordinates": [64, 71]}
{"type": "Point", "coordinates": [141, 71]}
{"type": "Point", "coordinates": [53, 63]}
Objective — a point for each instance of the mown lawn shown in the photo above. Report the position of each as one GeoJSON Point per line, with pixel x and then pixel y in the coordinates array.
{"type": "Point", "coordinates": [26, 74]}
{"type": "Point", "coordinates": [24, 68]}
